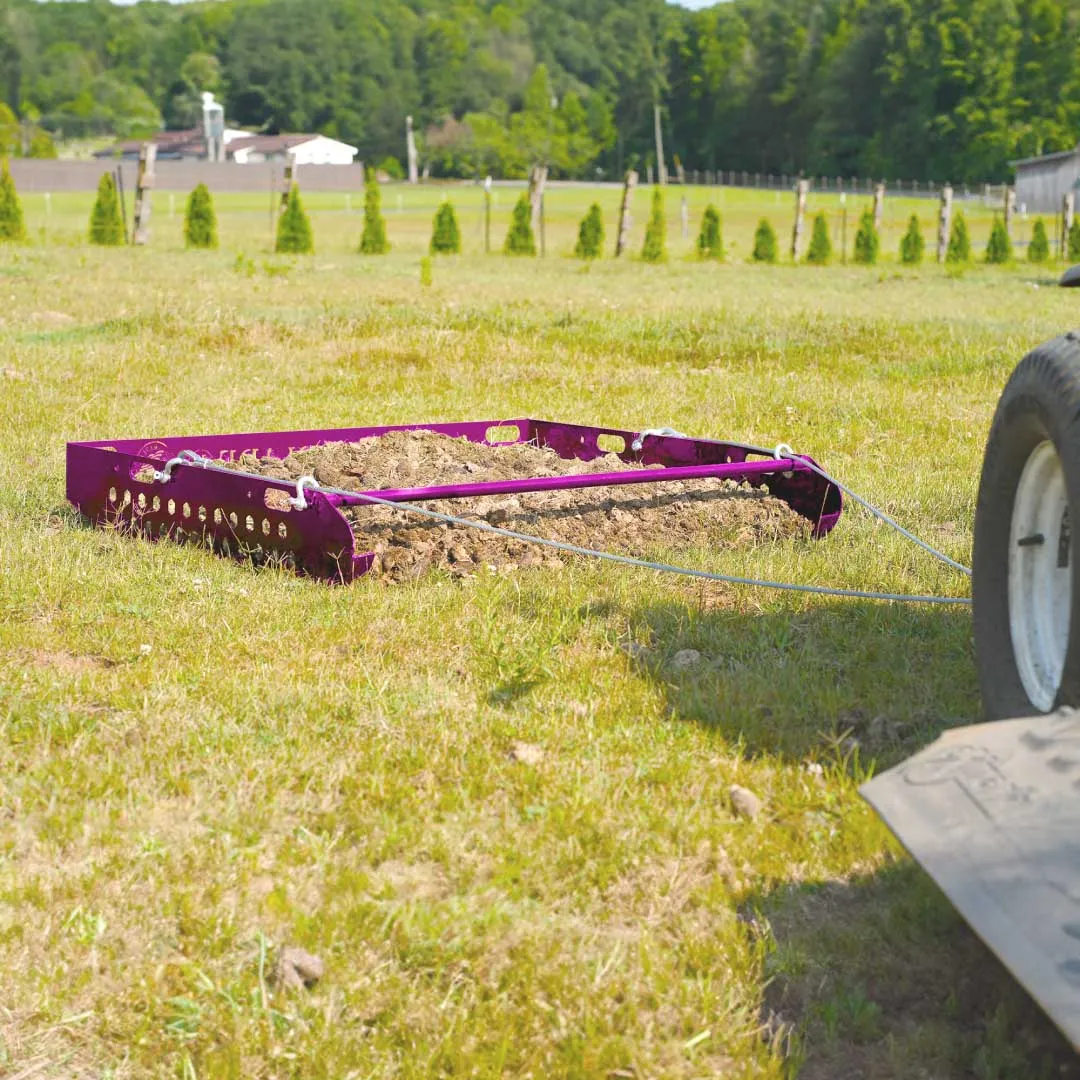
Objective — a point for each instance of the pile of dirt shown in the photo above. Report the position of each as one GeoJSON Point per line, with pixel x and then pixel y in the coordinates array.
{"type": "Point", "coordinates": [632, 520]}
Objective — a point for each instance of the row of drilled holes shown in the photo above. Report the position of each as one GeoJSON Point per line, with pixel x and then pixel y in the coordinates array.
{"type": "Point", "coordinates": [154, 505]}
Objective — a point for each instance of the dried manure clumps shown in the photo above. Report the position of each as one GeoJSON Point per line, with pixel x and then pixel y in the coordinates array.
{"type": "Point", "coordinates": [633, 519]}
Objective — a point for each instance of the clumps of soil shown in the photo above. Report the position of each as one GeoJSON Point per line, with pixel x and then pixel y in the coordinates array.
{"type": "Point", "coordinates": [636, 520]}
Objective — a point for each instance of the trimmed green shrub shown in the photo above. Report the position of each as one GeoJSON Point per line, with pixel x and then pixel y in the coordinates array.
{"type": "Point", "coordinates": [373, 240]}
{"type": "Point", "coordinates": [867, 241]}
{"type": "Point", "coordinates": [765, 248]}
{"type": "Point", "coordinates": [959, 249]}
{"type": "Point", "coordinates": [106, 228]}
{"type": "Point", "coordinates": [999, 247]}
{"type": "Point", "coordinates": [519, 238]}
{"type": "Point", "coordinates": [1039, 249]}
{"type": "Point", "coordinates": [710, 241]}
{"type": "Point", "coordinates": [12, 228]}
{"type": "Point", "coordinates": [1074, 240]}
{"type": "Point", "coordinates": [820, 245]}
{"type": "Point", "coordinates": [445, 236]}
{"type": "Point", "coordinates": [294, 228]}
{"type": "Point", "coordinates": [590, 239]}
{"type": "Point", "coordinates": [655, 248]}
{"type": "Point", "coordinates": [200, 221]}
{"type": "Point", "coordinates": [911, 246]}
{"type": "Point", "coordinates": [425, 271]}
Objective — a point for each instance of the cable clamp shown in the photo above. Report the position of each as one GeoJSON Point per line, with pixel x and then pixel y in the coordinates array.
{"type": "Point", "coordinates": [308, 483]}
{"type": "Point", "coordinates": [185, 457]}
{"type": "Point", "coordinates": [661, 431]}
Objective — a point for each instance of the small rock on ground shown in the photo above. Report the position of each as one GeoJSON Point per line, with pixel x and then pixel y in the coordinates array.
{"type": "Point", "coordinates": [685, 658]}
{"type": "Point", "coordinates": [297, 969]}
{"type": "Point", "coordinates": [526, 753]}
{"type": "Point", "coordinates": [744, 802]}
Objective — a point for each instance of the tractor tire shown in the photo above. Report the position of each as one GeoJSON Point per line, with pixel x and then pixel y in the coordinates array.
{"type": "Point", "coordinates": [1025, 596]}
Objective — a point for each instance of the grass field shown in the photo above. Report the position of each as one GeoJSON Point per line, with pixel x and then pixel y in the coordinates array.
{"type": "Point", "coordinates": [202, 763]}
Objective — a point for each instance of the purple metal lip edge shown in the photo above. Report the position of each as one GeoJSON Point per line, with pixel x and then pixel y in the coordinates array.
{"type": "Point", "coordinates": [314, 535]}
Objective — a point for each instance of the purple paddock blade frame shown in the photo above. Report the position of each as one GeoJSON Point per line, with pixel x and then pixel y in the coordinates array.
{"type": "Point", "coordinates": [112, 484]}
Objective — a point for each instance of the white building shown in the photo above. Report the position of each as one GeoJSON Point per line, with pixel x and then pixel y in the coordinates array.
{"type": "Point", "coordinates": [245, 149]}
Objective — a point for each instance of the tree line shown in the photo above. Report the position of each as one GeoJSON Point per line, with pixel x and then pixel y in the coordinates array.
{"type": "Point", "coordinates": [905, 89]}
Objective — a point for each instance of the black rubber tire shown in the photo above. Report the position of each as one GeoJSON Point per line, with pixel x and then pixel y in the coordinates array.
{"type": "Point", "coordinates": [1041, 401]}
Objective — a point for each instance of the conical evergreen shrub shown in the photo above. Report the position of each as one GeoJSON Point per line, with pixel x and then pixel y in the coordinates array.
{"type": "Point", "coordinates": [867, 241]}
{"type": "Point", "coordinates": [12, 229]}
{"type": "Point", "coordinates": [655, 248]}
{"type": "Point", "coordinates": [911, 246]}
{"type": "Point", "coordinates": [820, 245]}
{"type": "Point", "coordinates": [959, 249]}
{"type": "Point", "coordinates": [200, 221]}
{"type": "Point", "coordinates": [590, 239]}
{"type": "Point", "coordinates": [765, 248]}
{"type": "Point", "coordinates": [999, 247]}
{"type": "Point", "coordinates": [710, 241]}
{"type": "Point", "coordinates": [519, 238]}
{"type": "Point", "coordinates": [294, 229]}
{"type": "Point", "coordinates": [1074, 240]}
{"type": "Point", "coordinates": [445, 236]}
{"type": "Point", "coordinates": [106, 228]}
{"type": "Point", "coordinates": [1039, 249]}
{"type": "Point", "coordinates": [373, 240]}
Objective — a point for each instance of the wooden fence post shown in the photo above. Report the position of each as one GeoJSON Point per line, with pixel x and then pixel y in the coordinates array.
{"type": "Point", "coordinates": [1010, 209]}
{"type": "Point", "coordinates": [537, 180]}
{"type": "Point", "coordinates": [1068, 208]}
{"type": "Point", "coordinates": [661, 168]}
{"type": "Point", "coordinates": [801, 189]}
{"type": "Point", "coordinates": [623, 237]}
{"type": "Point", "coordinates": [879, 205]}
{"type": "Point", "coordinates": [684, 216]}
{"type": "Point", "coordinates": [944, 222]}
{"type": "Point", "coordinates": [144, 182]}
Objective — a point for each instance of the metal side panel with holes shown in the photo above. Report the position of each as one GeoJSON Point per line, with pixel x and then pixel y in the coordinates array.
{"type": "Point", "coordinates": [992, 813]}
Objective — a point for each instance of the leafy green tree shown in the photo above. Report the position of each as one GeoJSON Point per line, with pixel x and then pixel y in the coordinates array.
{"type": "Point", "coordinates": [106, 227]}
{"type": "Point", "coordinates": [373, 240]}
{"type": "Point", "coordinates": [12, 229]}
{"type": "Point", "coordinates": [765, 246]}
{"type": "Point", "coordinates": [200, 221]}
{"type": "Point", "coordinates": [519, 238]}
{"type": "Point", "coordinates": [867, 241]}
{"type": "Point", "coordinates": [10, 135]}
{"type": "Point", "coordinates": [294, 229]}
{"type": "Point", "coordinates": [959, 250]}
{"type": "Point", "coordinates": [710, 242]}
{"type": "Point", "coordinates": [999, 247]}
{"type": "Point", "coordinates": [820, 252]}
{"type": "Point", "coordinates": [590, 242]}
{"type": "Point", "coordinates": [655, 247]}
{"type": "Point", "coordinates": [911, 246]}
{"type": "Point", "coordinates": [445, 236]}
{"type": "Point", "coordinates": [1039, 248]}
{"type": "Point", "coordinates": [1074, 240]}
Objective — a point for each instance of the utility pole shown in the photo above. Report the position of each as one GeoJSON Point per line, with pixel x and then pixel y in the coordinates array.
{"type": "Point", "coordinates": [661, 168]}
{"type": "Point", "coordinates": [410, 150]}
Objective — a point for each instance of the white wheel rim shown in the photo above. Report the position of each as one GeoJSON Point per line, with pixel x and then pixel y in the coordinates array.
{"type": "Point", "coordinates": [1040, 575]}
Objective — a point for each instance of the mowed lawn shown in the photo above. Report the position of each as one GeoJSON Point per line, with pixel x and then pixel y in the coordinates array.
{"type": "Point", "coordinates": [202, 763]}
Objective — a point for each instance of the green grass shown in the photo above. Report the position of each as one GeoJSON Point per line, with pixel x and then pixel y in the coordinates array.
{"type": "Point", "coordinates": [201, 763]}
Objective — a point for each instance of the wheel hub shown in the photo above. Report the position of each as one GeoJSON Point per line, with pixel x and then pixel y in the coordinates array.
{"type": "Point", "coordinates": [1040, 575]}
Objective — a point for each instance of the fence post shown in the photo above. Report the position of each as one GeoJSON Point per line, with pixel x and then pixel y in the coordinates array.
{"type": "Point", "coordinates": [410, 150]}
{"type": "Point", "coordinates": [1010, 209]}
{"type": "Point", "coordinates": [144, 182]}
{"type": "Point", "coordinates": [623, 237]}
{"type": "Point", "coordinates": [1068, 206]}
{"type": "Point", "coordinates": [944, 222]}
{"type": "Point", "coordinates": [487, 215]}
{"type": "Point", "coordinates": [879, 204]}
{"type": "Point", "coordinates": [537, 180]}
{"type": "Point", "coordinates": [684, 216]}
{"type": "Point", "coordinates": [801, 189]}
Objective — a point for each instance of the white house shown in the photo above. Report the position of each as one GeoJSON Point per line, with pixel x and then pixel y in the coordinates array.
{"type": "Point", "coordinates": [246, 149]}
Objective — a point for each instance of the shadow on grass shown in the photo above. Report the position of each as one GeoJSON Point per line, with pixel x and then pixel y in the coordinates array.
{"type": "Point", "coordinates": [890, 676]}
{"type": "Point", "coordinates": [878, 978]}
